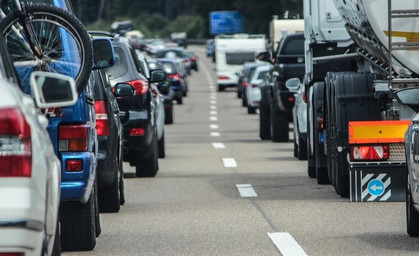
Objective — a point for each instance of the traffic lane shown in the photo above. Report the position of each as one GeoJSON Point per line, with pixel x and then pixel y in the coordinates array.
{"type": "Point", "coordinates": [296, 204]}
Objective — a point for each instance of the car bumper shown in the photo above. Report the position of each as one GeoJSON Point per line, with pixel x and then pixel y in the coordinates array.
{"type": "Point", "coordinates": [139, 143]}
{"type": "Point", "coordinates": [20, 237]}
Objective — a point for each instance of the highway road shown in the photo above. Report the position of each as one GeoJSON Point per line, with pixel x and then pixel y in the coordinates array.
{"type": "Point", "coordinates": [222, 191]}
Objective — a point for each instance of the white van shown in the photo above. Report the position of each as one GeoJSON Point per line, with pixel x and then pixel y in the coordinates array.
{"type": "Point", "coordinates": [231, 52]}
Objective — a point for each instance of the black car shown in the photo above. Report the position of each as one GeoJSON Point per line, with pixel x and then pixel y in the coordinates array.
{"type": "Point", "coordinates": [137, 106]}
{"type": "Point", "coordinates": [175, 53]}
{"type": "Point", "coordinates": [110, 138]}
{"type": "Point", "coordinates": [177, 77]}
{"type": "Point", "coordinates": [166, 92]}
{"type": "Point", "coordinates": [288, 63]}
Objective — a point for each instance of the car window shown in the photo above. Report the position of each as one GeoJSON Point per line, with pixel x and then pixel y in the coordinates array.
{"type": "Point", "coordinates": [262, 74]}
{"type": "Point", "coordinates": [239, 58]}
{"type": "Point", "coordinates": [120, 68]}
{"type": "Point", "coordinates": [293, 47]}
{"type": "Point", "coordinates": [251, 72]}
{"type": "Point", "coordinates": [137, 63]}
{"type": "Point", "coordinates": [169, 68]}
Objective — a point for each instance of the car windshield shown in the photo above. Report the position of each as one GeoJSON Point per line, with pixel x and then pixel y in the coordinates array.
{"type": "Point", "coordinates": [120, 68]}
{"type": "Point", "coordinates": [262, 74]}
{"type": "Point", "coordinates": [294, 47]}
{"type": "Point", "coordinates": [239, 58]}
{"type": "Point", "coordinates": [169, 54]}
{"type": "Point", "coordinates": [169, 68]}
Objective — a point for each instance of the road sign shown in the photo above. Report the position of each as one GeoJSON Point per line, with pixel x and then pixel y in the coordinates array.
{"type": "Point", "coordinates": [226, 22]}
{"type": "Point", "coordinates": [376, 187]}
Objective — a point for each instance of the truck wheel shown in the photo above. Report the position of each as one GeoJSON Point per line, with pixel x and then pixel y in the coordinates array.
{"type": "Point", "coordinates": [412, 216]}
{"type": "Point", "coordinates": [279, 125]}
{"type": "Point", "coordinates": [264, 123]}
{"type": "Point", "coordinates": [109, 197]}
{"type": "Point", "coordinates": [149, 166]}
{"type": "Point", "coordinates": [78, 225]}
{"type": "Point", "coordinates": [161, 147]}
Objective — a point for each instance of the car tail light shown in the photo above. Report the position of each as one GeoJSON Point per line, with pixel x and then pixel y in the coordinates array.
{"type": "Point", "coordinates": [12, 254]}
{"type": "Point", "coordinates": [102, 121]}
{"type": "Point", "coordinates": [369, 152]}
{"type": "Point", "coordinates": [15, 144]}
{"type": "Point", "coordinates": [74, 165]}
{"type": "Point", "coordinates": [223, 78]}
{"type": "Point", "coordinates": [245, 84]}
{"type": "Point", "coordinates": [137, 132]}
{"type": "Point", "coordinates": [73, 137]}
{"type": "Point", "coordinates": [320, 122]}
{"type": "Point", "coordinates": [305, 98]}
{"type": "Point", "coordinates": [140, 86]}
{"type": "Point", "coordinates": [176, 77]}
{"type": "Point", "coordinates": [255, 85]}
{"type": "Point", "coordinates": [193, 58]}
{"type": "Point", "coordinates": [291, 99]}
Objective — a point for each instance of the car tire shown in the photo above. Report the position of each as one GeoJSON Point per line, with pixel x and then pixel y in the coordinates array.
{"type": "Point", "coordinates": [180, 101]}
{"type": "Point", "coordinates": [98, 228]}
{"type": "Point", "coordinates": [244, 100]}
{"type": "Point", "coordinates": [109, 198]}
{"type": "Point", "coordinates": [78, 225]}
{"type": "Point", "coordinates": [168, 115]}
{"type": "Point", "coordinates": [161, 147]}
{"type": "Point", "coordinates": [251, 110]}
{"type": "Point", "coordinates": [412, 216]}
{"type": "Point", "coordinates": [184, 93]}
{"type": "Point", "coordinates": [221, 88]}
{"type": "Point", "coordinates": [149, 166]}
{"type": "Point", "coordinates": [264, 123]}
{"type": "Point", "coordinates": [56, 249]}
{"type": "Point", "coordinates": [239, 94]}
{"type": "Point", "coordinates": [279, 125]}
{"type": "Point", "coordinates": [295, 149]}
{"type": "Point", "coordinates": [302, 149]}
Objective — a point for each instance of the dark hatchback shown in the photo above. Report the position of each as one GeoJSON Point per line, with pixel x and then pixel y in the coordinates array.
{"type": "Point", "coordinates": [177, 77]}
{"type": "Point", "coordinates": [110, 138]}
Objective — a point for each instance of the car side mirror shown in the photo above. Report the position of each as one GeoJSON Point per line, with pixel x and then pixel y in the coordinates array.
{"type": "Point", "coordinates": [293, 84]}
{"type": "Point", "coordinates": [157, 75]}
{"type": "Point", "coordinates": [408, 97]}
{"type": "Point", "coordinates": [52, 90]}
{"type": "Point", "coordinates": [122, 90]}
{"type": "Point", "coordinates": [103, 53]}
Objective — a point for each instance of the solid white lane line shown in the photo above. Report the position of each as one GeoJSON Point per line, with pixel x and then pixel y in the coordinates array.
{"type": "Point", "coordinates": [213, 118]}
{"type": "Point", "coordinates": [213, 112]}
{"type": "Point", "coordinates": [229, 162]}
{"type": "Point", "coordinates": [215, 134]}
{"type": "Point", "coordinates": [246, 190]}
{"type": "Point", "coordinates": [214, 126]}
{"type": "Point", "coordinates": [286, 244]}
{"type": "Point", "coordinates": [218, 145]}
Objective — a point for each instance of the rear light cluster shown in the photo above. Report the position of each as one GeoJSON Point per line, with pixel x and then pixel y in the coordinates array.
{"type": "Point", "coordinates": [245, 84]}
{"type": "Point", "coordinates": [137, 132]}
{"type": "Point", "coordinates": [74, 165]}
{"type": "Point", "coordinates": [369, 152]}
{"type": "Point", "coordinates": [15, 144]}
{"type": "Point", "coordinates": [12, 254]}
{"type": "Point", "coordinates": [140, 86]}
{"type": "Point", "coordinates": [176, 77]}
{"type": "Point", "coordinates": [102, 121]}
{"type": "Point", "coordinates": [255, 85]}
{"type": "Point", "coordinates": [223, 78]}
{"type": "Point", "coordinates": [73, 138]}
{"type": "Point", "coordinates": [193, 58]}
{"type": "Point", "coordinates": [320, 122]}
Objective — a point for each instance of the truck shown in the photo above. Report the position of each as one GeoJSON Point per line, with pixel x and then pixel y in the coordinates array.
{"type": "Point", "coordinates": [358, 53]}
{"type": "Point", "coordinates": [231, 52]}
{"type": "Point", "coordinates": [278, 28]}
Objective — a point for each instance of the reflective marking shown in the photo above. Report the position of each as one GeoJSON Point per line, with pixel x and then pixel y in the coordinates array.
{"type": "Point", "coordinates": [215, 134]}
{"type": "Point", "coordinates": [213, 96]}
{"type": "Point", "coordinates": [213, 107]}
{"type": "Point", "coordinates": [286, 244]}
{"type": "Point", "coordinates": [214, 126]}
{"type": "Point", "coordinates": [218, 145]}
{"type": "Point", "coordinates": [229, 162]}
{"type": "Point", "coordinates": [213, 118]}
{"type": "Point", "coordinates": [214, 102]}
{"type": "Point", "coordinates": [213, 112]}
{"type": "Point", "coordinates": [246, 190]}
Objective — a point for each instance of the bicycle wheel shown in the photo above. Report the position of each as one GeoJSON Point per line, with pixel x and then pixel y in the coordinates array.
{"type": "Point", "coordinates": [60, 40]}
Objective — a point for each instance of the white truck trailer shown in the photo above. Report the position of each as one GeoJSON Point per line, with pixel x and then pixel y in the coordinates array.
{"type": "Point", "coordinates": [357, 54]}
{"type": "Point", "coordinates": [231, 52]}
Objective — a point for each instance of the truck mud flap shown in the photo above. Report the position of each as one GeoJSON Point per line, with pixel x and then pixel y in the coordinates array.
{"type": "Point", "coordinates": [378, 183]}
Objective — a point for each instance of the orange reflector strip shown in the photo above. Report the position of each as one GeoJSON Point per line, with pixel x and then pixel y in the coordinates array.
{"type": "Point", "coordinates": [377, 131]}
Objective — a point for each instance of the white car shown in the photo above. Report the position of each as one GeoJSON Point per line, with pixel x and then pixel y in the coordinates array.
{"type": "Point", "coordinates": [30, 173]}
{"type": "Point", "coordinates": [253, 94]}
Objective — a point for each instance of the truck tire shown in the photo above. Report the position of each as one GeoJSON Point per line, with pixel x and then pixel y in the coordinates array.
{"type": "Point", "coordinates": [352, 100]}
{"type": "Point", "coordinates": [412, 216]}
{"type": "Point", "coordinates": [149, 166]}
{"type": "Point", "coordinates": [264, 123]}
{"type": "Point", "coordinates": [109, 197]}
{"type": "Point", "coordinates": [78, 225]}
{"type": "Point", "coordinates": [279, 125]}
{"type": "Point", "coordinates": [318, 147]}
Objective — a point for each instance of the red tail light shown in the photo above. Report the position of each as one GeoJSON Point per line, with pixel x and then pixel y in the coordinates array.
{"type": "Point", "coordinates": [369, 152]}
{"type": "Point", "coordinates": [176, 77]}
{"type": "Point", "coordinates": [74, 165]}
{"type": "Point", "coordinates": [291, 99]}
{"type": "Point", "coordinates": [137, 132]}
{"type": "Point", "coordinates": [102, 121]}
{"type": "Point", "coordinates": [193, 58]}
{"type": "Point", "coordinates": [223, 78]}
{"type": "Point", "coordinates": [320, 123]}
{"type": "Point", "coordinates": [305, 98]}
{"type": "Point", "coordinates": [255, 85]}
{"type": "Point", "coordinates": [140, 86]}
{"type": "Point", "coordinates": [245, 84]}
{"type": "Point", "coordinates": [15, 144]}
{"type": "Point", "coordinates": [73, 137]}
{"type": "Point", "coordinates": [12, 254]}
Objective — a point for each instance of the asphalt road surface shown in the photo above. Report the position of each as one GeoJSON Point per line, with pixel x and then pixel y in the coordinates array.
{"type": "Point", "coordinates": [222, 191]}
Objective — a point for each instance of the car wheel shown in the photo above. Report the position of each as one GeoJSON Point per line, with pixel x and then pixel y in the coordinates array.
{"type": "Point", "coordinates": [109, 197]}
{"type": "Point", "coordinates": [244, 100]}
{"type": "Point", "coordinates": [239, 94]}
{"type": "Point", "coordinates": [302, 149]}
{"type": "Point", "coordinates": [56, 249]}
{"type": "Point", "coordinates": [78, 225]}
{"type": "Point", "coordinates": [412, 216]}
{"type": "Point", "coordinates": [180, 101]}
{"type": "Point", "coordinates": [220, 88]}
{"type": "Point", "coordinates": [98, 228]}
{"type": "Point", "coordinates": [185, 93]}
{"type": "Point", "coordinates": [295, 148]}
{"type": "Point", "coordinates": [161, 147]}
{"type": "Point", "coordinates": [251, 110]}
{"type": "Point", "coordinates": [279, 125]}
{"type": "Point", "coordinates": [149, 166]}
{"type": "Point", "coordinates": [264, 123]}
{"type": "Point", "coordinates": [168, 117]}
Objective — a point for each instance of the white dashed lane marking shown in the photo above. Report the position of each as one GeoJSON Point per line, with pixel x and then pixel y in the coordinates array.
{"type": "Point", "coordinates": [213, 118]}
{"type": "Point", "coordinates": [229, 162]}
{"type": "Point", "coordinates": [215, 134]}
{"type": "Point", "coordinates": [213, 107]}
{"type": "Point", "coordinates": [214, 126]}
{"type": "Point", "coordinates": [286, 244]}
{"type": "Point", "coordinates": [246, 190]}
{"type": "Point", "coordinates": [218, 145]}
{"type": "Point", "coordinates": [213, 112]}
